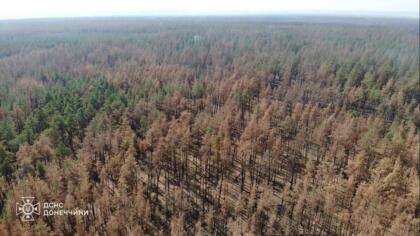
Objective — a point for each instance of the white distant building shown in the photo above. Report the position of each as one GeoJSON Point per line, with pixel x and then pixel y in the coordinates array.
{"type": "Point", "coordinates": [197, 38]}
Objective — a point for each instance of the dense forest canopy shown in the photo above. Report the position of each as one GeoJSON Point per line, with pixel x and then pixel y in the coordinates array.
{"type": "Point", "coordinates": [211, 126]}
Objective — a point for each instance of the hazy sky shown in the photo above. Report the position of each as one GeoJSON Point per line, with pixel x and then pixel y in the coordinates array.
{"type": "Point", "coordinates": [64, 8]}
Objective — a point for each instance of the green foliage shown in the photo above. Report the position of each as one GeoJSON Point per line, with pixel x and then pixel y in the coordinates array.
{"type": "Point", "coordinates": [341, 77]}
{"type": "Point", "coordinates": [6, 160]}
{"type": "Point", "coordinates": [7, 131]}
{"type": "Point", "coordinates": [356, 76]}
{"type": "Point", "coordinates": [62, 151]}
{"type": "Point", "coordinates": [40, 169]}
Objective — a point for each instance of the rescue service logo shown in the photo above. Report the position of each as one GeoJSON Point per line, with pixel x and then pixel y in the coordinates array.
{"type": "Point", "coordinates": [27, 209]}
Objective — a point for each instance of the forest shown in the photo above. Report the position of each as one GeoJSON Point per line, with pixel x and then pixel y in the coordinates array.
{"type": "Point", "coordinates": [211, 125]}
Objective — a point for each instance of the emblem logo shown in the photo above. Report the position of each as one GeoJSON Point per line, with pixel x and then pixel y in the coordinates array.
{"type": "Point", "coordinates": [27, 209]}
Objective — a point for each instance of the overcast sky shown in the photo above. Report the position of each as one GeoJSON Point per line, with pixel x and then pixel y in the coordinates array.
{"type": "Point", "coordinates": [12, 9]}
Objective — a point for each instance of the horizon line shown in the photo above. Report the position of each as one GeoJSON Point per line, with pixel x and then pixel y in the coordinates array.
{"type": "Point", "coordinates": [325, 13]}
